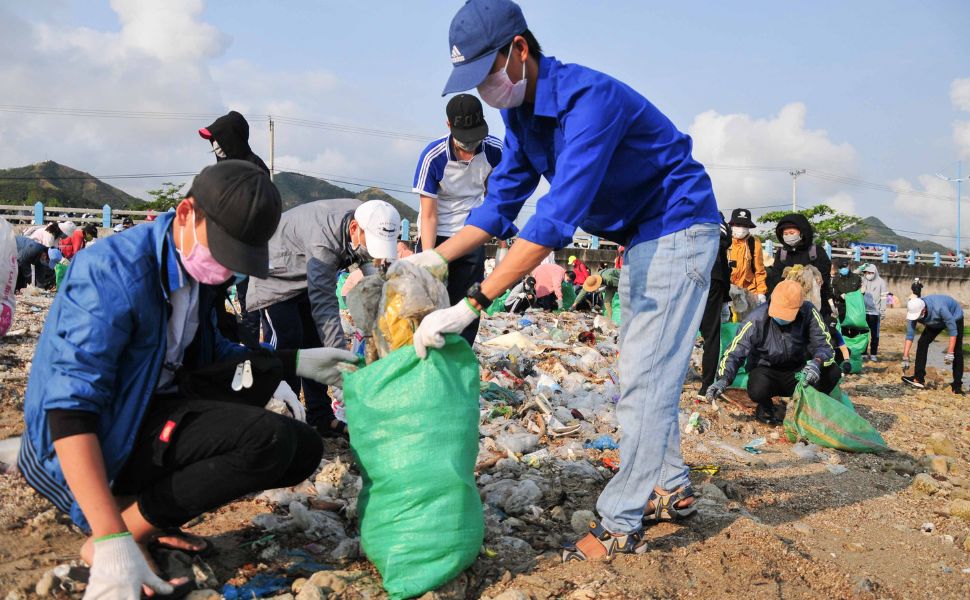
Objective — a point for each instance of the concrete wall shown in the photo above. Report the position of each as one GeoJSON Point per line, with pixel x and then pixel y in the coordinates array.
{"type": "Point", "coordinates": [936, 280]}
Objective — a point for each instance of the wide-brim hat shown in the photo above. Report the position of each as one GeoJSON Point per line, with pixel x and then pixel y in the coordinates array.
{"type": "Point", "coordinates": [593, 283]}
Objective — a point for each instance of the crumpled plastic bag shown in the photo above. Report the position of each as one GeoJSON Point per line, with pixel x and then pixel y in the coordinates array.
{"type": "Point", "coordinates": [8, 275]}
{"type": "Point", "coordinates": [410, 294]}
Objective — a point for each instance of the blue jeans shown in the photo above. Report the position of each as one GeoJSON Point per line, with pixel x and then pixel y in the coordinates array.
{"type": "Point", "coordinates": [663, 289]}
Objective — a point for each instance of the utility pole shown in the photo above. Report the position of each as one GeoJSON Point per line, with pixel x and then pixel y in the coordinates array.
{"type": "Point", "coordinates": [272, 149]}
{"type": "Point", "coordinates": [794, 193]}
{"type": "Point", "coordinates": [958, 179]}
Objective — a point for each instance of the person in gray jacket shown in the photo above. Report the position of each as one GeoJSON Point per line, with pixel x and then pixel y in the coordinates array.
{"type": "Point", "coordinates": [314, 241]}
{"type": "Point", "coordinates": [874, 292]}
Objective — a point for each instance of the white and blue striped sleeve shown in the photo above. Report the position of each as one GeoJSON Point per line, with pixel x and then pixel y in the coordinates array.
{"type": "Point", "coordinates": [431, 168]}
{"type": "Point", "coordinates": [492, 147]}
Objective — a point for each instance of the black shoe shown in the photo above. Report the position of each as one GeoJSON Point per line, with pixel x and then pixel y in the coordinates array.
{"type": "Point", "coordinates": [957, 388]}
{"type": "Point", "coordinates": [766, 415]}
{"type": "Point", "coordinates": [916, 383]}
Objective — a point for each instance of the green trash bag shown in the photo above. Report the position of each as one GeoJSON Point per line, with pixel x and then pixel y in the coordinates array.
{"type": "Point", "coordinates": [60, 270]}
{"type": "Point", "coordinates": [498, 305]}
{"type": "Point", "coordinates": [340, 286]}
{"type": "Point", "coordinates": [824, 420]}
{"type": "Point", "coordinates": [568, 295]}
{"type": "Point", "coordinates": [855, 311]}
{"type": "Point", "coordinates": [857, 347]}
{"type": "Point", "coordinates": [728, 331]}
{"type": "Point", "coordinates": [616, 309]}
{"type": "Point", "coordinates": [414, 433]}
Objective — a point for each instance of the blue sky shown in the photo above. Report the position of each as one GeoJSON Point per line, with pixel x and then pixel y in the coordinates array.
{"type": "Point", "coordinates": [867, 86]}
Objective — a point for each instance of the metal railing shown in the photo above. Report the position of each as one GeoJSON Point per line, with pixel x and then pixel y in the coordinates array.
{"type": "Point", "coordinates": [886, 256]}
{"type": "Point", "coordinates": [38, 214]}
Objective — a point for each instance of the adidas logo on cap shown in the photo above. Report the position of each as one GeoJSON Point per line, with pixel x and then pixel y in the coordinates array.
{"type": "Point", "coordinates": [456, 56]}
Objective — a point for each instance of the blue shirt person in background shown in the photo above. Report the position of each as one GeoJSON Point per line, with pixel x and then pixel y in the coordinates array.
{"type": "Point", "coordinates": [936, 312]}
{"type": "Point", "coordinates": [618, 168]}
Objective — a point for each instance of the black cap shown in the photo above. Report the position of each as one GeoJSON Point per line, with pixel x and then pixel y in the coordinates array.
{"type": "Point", "coordinates": [741, 217]}
{"type": "Point", "coordinates": [466, 118]}
{"type": "Point", "coordinates": [242, 208]}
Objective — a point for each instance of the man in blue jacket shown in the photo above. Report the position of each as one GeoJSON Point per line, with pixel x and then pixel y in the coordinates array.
{"type": "Point", "coordinates": [618, 168]}
{"type": "Point", "coordinates": [114, 435]}
{"type": "Point", "coordinates": [778, 341]}
{"type": "Point", "coordinates": [936, 312]}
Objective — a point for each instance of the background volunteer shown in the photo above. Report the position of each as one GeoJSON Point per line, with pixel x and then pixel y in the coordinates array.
{"type": "Point", "coordinates": [618, 168]}
{"type": "Point", "coordinates": [451, 178]}
{"type": "Point", "coordinates": [937, 313]}
{"type": "Point", "coordinates": [746, 256]}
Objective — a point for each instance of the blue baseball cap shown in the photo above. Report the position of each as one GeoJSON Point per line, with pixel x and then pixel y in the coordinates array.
{"type": "Point", "coordinates": [479, 30]}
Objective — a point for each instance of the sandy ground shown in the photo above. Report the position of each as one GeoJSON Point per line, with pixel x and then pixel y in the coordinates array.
{"type": "Point", "coordinates": [771, 525]}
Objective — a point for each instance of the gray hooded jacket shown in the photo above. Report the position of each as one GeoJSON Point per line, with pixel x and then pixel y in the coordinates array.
{"type": "Point", "coordinates": [310, 246]}
{"type": "Point", "coordinates": [874, 293]}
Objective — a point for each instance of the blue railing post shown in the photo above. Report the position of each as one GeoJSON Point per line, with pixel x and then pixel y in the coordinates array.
{"type": "Point", "coordinates": [769, 247]}
{"type": "Point", "coordinates": [39, 213]}
{"type": "Point", "coordinates": [885, 255]}
{"type": "Point", "coordinates": [828, 249]}
{"type": "Point", "coordinates": [857, 254]}
{"type": "Point", "coordinates": [594, 242]}
{"type": "Point", "coordinates": [912, 256]}
{"type": "Point", "coordinates": [106, 216]}
{"type": "Point", "coordinates": [936, 259]}
{"type": "Point", "coordinates": [405, 230]}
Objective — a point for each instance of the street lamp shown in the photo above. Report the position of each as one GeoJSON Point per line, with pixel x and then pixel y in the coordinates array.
{"type": "Point", "coordinates": [958, 181]}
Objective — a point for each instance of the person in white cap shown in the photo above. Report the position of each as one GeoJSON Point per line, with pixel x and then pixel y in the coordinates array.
{"type": "Point", "coordinates": [298, 300]}
{"type": "Point", "coordinates": [50, 234]}
{"type": "Point", "coordinates": [936, 312]}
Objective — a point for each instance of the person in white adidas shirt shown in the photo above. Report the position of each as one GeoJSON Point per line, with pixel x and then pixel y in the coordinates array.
{"type": "Point", "coordinates": [451, 179]}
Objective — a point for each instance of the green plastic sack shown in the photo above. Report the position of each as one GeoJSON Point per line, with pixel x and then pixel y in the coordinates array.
{"type": "Point", "coordinates": [855, 311]}
{"type": "Point", "coordinates": [568, 295]}
{"type": "Point", "coordinates": [728, 331]}
{"type": "Point", "coordinates": [824, 420]}
{"type": "Point", "coordinates": [616, 309]}
{"type": "Point", "coordinates": [60, 270]}
{"type": "Point", "coordinates": [414, 432]}
{"type": "Point", "coordinates": [340, 286]}
{"type": "Point", "coordinates": [857, 347]}
{"type": "Point", "coordinates": [498, 305]}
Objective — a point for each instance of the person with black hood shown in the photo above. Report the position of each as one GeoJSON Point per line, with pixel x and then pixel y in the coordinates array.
{"type": "Point", "coordinates": [719, 293]}
{"type": "Point", "coordinates": [229, 136]}
{"type": "Point", "coordinates": [797, 247]}
{"type": "Point", "coordinates": [844, 282]}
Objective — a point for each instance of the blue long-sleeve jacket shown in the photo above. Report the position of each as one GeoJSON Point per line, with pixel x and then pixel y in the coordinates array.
{"type": "Point", "coordinates": [617, 167]}
{"type": "Point", "coordinates": [102, 348]}
{"type": "Point", "coordinates": [942, 312]}
{"type": "Point", "coordinates": [764, 343]}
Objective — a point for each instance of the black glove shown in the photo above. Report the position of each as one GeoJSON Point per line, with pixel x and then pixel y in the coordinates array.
{"type": "Point", "coordinates": [811, 373]}
{"type": "Point", "coordinates": [846, 367]}
{"type": "Point", "coordinates": [716, 389]}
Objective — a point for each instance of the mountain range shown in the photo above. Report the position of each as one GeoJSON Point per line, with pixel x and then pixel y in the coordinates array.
{"type": "Point", "coordinates": [875, 231]}
{"type": "Point", "coordinates": [55, 184]}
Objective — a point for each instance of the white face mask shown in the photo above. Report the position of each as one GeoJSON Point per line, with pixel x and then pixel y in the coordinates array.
{"type": "Point", "coordinates": [498, 91]}
{"type": "Point", "coordinates": [870, 276]}
{"type": "Point", "coordinates": [792, 238]}
{"type": "Point", "coordinates": [739, 233]}
{"type": "Point", "coordinates": [219, 152]}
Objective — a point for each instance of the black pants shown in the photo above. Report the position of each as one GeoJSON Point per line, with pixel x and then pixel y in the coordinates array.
{"type": "Point", "coordinates": [764, 383]}
{"type": "Point", "coordinates": [463, 272]}
{"type": "Point", "coordinates": [873, 322]}
{"type": "Point", "coordinates": [292, 327]}
{"type": "Point", "coordinates": [923, 346]}
{"type": "Point", "coordinates": [711, 332]}
{"type": "Point", "coordinates": [249, 321]}
{"type": "Point", "coordinates": [192, 456]}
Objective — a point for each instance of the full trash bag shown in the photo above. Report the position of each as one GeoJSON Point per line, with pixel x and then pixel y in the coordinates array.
{"type": "Point", "coordinates": [498, 305]}
{"type": "Point", "coordinates": [8, 275]}
{"type": "Point", "coordinates": [728, 331]}
{"type": "Point", "coordinates": [829, 421]}
{"type": "Point", "coordinates": [857, 346]}
{"type": "Point", "coordinates": [414, 432]}
{"type": "Point", "coordinates": [617, 318]}
{"type": "Point", "coordinates": [855, 311]}
{"type": "Point", "coordinates": [410, 293]}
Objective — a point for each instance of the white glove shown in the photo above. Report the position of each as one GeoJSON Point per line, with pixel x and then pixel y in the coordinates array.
{"type": "Point", "coordinates": [325, 365]}
{"type": "Point", "coordinates": [905, 365]}
{"type": "Point", "coordinates": [762, 299]}
{"type": "Point", "coordinates": [947, 358]}
{"type": "Point", "coordinates": [119, 571]}
{"type": "Point", "coordinates": [431, 332]}
{"type": "Point", "coordinates": [428, 259]}
{"type": "Point", "coordinates": [285, 394]}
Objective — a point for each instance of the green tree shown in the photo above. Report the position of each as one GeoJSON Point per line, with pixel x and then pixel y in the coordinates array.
{"type": "Point", "coordinates": [829, 224]}
{"type": "Point", "coordinates": [166, 197]}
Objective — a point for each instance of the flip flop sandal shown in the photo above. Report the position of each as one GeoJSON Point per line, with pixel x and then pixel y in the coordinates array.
{"type": "Point", "coordinates": [206, 549]}
{"type": "Point", "coordinates": [665, 506]}
{"type": "Point", "coordinates": [600, 543]}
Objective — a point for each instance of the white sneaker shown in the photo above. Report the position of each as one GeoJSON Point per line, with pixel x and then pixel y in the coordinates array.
{"type": "Point", "coordinates": [873, 358]}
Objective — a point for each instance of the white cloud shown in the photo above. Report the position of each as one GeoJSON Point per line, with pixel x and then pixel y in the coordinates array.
{"type": "Point", "coordinates": [960, 94]}
{"type": "Point", "coordinates": [742, 141]}
{"type": "Point", "coordinates": [932, 214]}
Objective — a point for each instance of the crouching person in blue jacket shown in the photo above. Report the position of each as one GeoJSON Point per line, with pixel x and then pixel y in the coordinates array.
{"type": "Point", "coordinates": [139, 415]}
{"type": "Point", "coordinates": [777, 342]}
